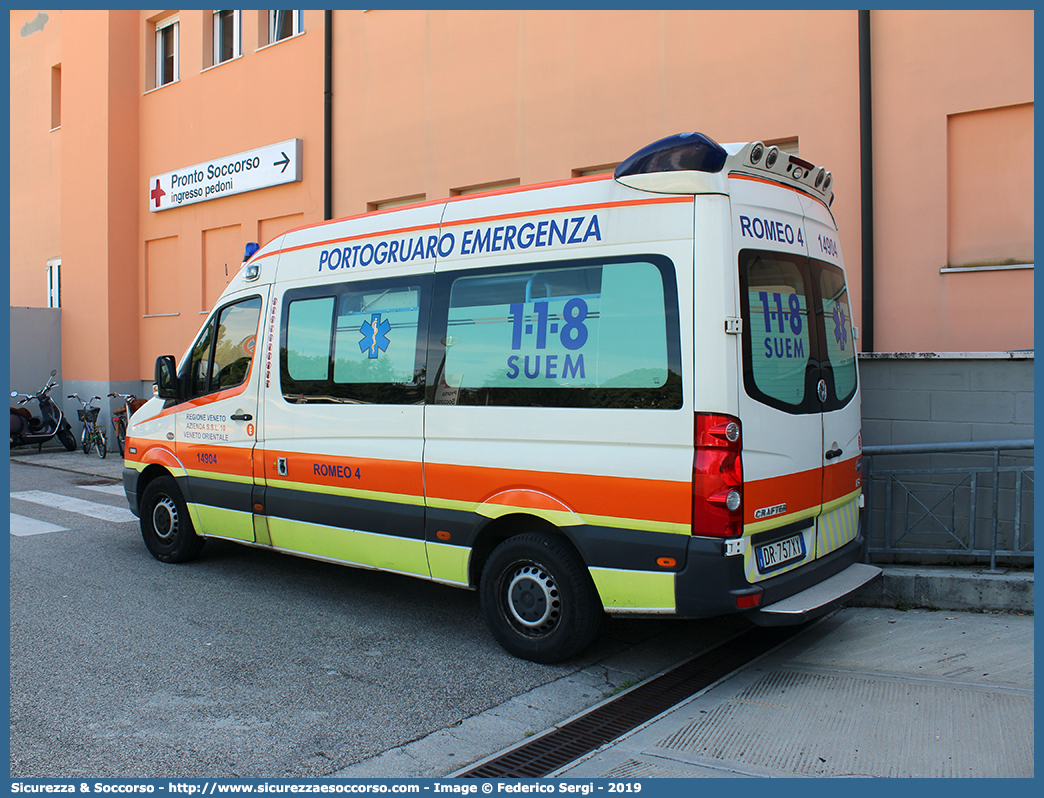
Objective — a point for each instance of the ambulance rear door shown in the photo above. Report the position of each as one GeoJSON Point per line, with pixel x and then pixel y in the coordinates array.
{"type": "Point", "coordinates": [842, 446]}
{"type": "Point", "coordinates": [779, 406]}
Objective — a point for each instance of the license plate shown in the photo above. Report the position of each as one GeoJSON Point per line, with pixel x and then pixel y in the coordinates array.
{"type": "Point", "coordinates": [783, 552]}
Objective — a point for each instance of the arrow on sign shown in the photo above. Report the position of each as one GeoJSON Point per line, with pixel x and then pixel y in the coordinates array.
{"type": "Point", "coordinates": [285, 162]}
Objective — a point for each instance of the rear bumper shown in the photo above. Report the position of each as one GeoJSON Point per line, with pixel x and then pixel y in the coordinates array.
{"type": "Point", "coordinates": [711, 584]}
{"type": "Point", "coordinates": [818, 599]}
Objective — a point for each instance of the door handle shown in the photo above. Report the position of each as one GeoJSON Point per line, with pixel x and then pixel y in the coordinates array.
{"type": "Point", "coordinates": [829, 455]}
{"type": "Point", "coordinates": [242, 417]}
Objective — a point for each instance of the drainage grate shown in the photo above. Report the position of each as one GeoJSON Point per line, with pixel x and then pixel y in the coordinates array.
{"type": "Point", "coordinates": [605, 723]}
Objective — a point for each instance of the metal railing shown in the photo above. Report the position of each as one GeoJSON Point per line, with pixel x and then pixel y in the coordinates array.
{"type": "Point", "coordinates": [972, 511]}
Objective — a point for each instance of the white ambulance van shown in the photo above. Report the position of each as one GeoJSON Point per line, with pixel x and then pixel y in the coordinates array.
{"type": "Point", "coordinates": [632, 394]}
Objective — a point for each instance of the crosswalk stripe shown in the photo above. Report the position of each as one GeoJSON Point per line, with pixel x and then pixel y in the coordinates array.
{"type": "Point", "coordinates": [103, 512]}
{"type": "Point", "coordinates": [112, 490]}
{"type": "Point", "coordinates": [22, 526]}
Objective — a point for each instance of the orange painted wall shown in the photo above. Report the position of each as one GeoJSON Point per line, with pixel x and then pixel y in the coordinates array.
{"type": "Point", "coordinates": [930, 65]}
{"type": "Point", "coordinates": [35, 154]}
{"type": "Point", "coordinates": [266, 96]}
{"type": "Point", "coordinates": [429, 102]}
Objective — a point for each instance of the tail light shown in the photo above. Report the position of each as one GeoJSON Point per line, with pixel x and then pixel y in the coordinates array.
{"type": "Point", "coordinates": [717, 477]}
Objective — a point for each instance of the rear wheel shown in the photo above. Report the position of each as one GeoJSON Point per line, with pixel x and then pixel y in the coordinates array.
{"type": "Point", "coordinates": [68, 439]}
{"type": "Point", "coordinates": [538, 598]}
{"type": "Point", "coordinates": [85, 440]}
{"type": "Point", "coordinates": [102, 442]}
{"type": "Point", "coordinates": [165, 524]}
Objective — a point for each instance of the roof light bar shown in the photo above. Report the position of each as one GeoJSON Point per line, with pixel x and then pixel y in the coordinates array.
{"type": "Point", "coordinates": [678, 153]}
{"type": "Point", "coordinates": [253, 270]}
{"type": "Point", "coordinates": [762, 157]}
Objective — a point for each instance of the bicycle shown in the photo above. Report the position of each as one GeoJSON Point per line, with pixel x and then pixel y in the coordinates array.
{"type": "Point", "coordinates": [93, 434]}
{"type": "Point", "coordinates": [121, 417]}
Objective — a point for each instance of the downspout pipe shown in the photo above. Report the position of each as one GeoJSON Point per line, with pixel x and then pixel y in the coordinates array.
{"type": "Point", "coordinates": [866, 158]}
{"type": "Point", "coordinates": [328, 116]}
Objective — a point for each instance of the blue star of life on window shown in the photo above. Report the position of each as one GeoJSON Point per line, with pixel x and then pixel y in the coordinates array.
{"type": "Point", "coordinates": [374, 336]}
{"type": "Point", "coordinates": [840, 332]}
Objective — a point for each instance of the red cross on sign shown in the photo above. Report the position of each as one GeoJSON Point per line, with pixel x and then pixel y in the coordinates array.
{"type": "Point", "coordinates": [157, 193]}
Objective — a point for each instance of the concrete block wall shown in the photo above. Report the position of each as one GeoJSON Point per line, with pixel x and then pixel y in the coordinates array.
{"type": "Point", "coordinates": [942, 398]}
{"type": "Point", "coordinates": [945, 398]}
{"type": "Point", "coordinates": [36, 348]}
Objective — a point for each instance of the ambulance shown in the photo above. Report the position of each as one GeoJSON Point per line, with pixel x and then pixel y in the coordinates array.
{"type": "Point", "coordinates": [629, 394]}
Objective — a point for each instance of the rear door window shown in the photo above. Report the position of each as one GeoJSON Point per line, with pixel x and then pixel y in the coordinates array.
{"type": "Point", "coordinates": [776, 309]}
{"type": "Point", "coordinates": [840, 352]}
{"type": "Point", "coordinates": [797, 330]}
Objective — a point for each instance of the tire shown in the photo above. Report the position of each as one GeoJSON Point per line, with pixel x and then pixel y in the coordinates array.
{"type": "Point", "coordinates": [68, 439]}
{"type": "Point", "coordinates": [165, 524]}
{"type": "Point", "coordinates": [538, 598]}
{"type": "Point", "coordinates": [102, 442]}
{"type": "Point", "coordinates": [121, 434]}
{"type": "Point", "coordinates": [86, 440]}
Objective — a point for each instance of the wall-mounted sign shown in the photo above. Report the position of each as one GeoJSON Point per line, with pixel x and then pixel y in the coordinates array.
{"type": "Point", "coordinates": [233, 174]}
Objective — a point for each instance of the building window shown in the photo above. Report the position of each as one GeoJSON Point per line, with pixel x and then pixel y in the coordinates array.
{"type": "Point", "coordinates": [227, 38]}
{"type": "Point", "coordinates": [398, 202]}
{"type": "Point", "coordinates": [989, 185]}
{"type": "Point", "coordinates": [482, 188]}
{"type": "Point", "coordinates": [56, 96]}
{"type": "Point", "coordinates": [789, 146]}
{"type": "Point", "coordinates": [284, 24]}
{"type": "Point", "coordinates": [54, 283]}
{"type": "Point", "coordinates": [166, 51]}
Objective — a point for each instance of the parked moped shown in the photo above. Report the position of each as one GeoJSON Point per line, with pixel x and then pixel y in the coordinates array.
{"type": "Point", "coordinates": [27, 429]}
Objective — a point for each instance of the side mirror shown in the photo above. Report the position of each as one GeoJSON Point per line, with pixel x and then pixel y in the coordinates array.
{"type": "Point", "coordinates": [166, 377]}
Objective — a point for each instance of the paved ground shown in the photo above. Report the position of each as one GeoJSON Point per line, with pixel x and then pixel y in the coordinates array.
{"type": "Point", "coordinates": [869, 691]}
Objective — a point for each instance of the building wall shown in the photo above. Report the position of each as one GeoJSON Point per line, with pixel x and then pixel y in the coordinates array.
{"type": "Point", "coordinates": [431, 103]}
{"type": "Point", "coordinates": [40, 332]}
{"type": "Point", "coordinates": [271, 94]}
{"type": "Point", "coordinates": [35, 154]}
{"type": "Point", "coordinates": [953, 146]}
{"type": "Point", "coordinates": [919, 504]}
{"type": "Point", "coordinates": [946, 398]}
{"type": "Point", "coordinates": [457, 99]}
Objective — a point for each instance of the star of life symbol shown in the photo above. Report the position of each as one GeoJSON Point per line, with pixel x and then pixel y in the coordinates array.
{"type": "Point", "coordinates": [374, 336]}
{"type": "Point", "coordinates": [840, 333]}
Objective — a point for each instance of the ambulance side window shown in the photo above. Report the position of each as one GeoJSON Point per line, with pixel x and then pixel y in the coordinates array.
{"type": "Point", "coordinates": [222, 355]}
{"type": "Point", "coordinates": [585, 333]}
{"type": "Point", "coordinates": [355, 342]}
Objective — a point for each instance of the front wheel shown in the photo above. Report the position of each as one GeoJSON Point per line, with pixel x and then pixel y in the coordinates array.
{"type": "Point", "coordinates": [85, 440]}
{"type": "Point", "coordinates": [121, 434]}
{"type": "Point", "coordinates": [165, 524]}
{"type": "Point", "coordinates": [67, 439]}
{"type": "Point", "coordinates": [538, 598]}
{"type": "Point", "coordinates": [102, 443]}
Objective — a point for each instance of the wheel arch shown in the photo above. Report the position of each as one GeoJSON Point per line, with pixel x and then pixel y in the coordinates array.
{"type": "Point", "coordinates": [150, 474]}
{"type": "Point", "coordinates": [499, 529]}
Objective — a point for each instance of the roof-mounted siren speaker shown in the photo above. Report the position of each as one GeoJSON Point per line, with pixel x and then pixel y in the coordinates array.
{"type": "Point", "coordinates": [682, 152]}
